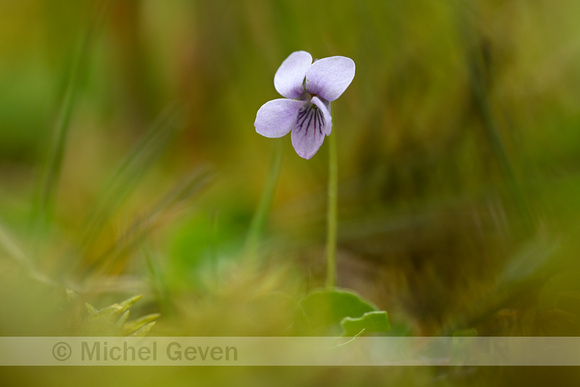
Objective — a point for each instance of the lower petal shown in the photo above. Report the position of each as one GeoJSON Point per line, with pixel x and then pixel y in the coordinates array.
{"type": "Point", "coordinates": [275, 118]}
{"type": "Point", "coordinates": [324, 106]}
{"type": "Point", "coordinates": [308, 131]}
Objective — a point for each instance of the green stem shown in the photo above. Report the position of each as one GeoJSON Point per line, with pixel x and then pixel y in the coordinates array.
{"type": "Point", "coordinates": [332, 213]}
{"type": "Point", "coordinates": [259, 219]}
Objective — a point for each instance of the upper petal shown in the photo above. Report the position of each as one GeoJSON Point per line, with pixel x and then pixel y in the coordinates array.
{"type": "Point", "coordinates": [275, 118]}
{"type": "Point", "coordinates": [329, 77]}
{"type": "Point", "coordinates": [289, 78]}
{"type": "Point", "coordinates": [308, 132]}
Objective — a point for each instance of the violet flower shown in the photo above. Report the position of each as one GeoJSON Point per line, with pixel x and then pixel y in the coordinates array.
{"type": "Point", "coordinates": [309, 88]}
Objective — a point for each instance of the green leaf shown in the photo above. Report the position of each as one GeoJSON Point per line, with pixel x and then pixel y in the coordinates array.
{"type": "Point", "coordinates": [136, 325]}
{"type": "Point", "coordinates": [123, 319]}
{"type": "Point", "coordinates": [113, 320]}
{"type": "Point", "coordinates": [91, 309]}
{"type": "Point", "coordinates": [112, 310]}
{"type": "Point", "coordinates": [323, 310]}
{"type": "Point", "coordinates": [129, 302]}
{"type": "Point", "coordinates": [141, 332]}
{"type": "Point", "coordinates": [370, 322]}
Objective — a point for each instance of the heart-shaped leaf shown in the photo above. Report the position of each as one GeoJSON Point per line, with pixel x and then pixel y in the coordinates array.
{"type": "Point", "coordinates": [324, 310]}
{"type": "Point", "coordinates": [376, 321]}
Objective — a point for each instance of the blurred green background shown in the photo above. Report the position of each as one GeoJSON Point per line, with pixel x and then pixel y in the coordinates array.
{"type": "Point", "coordinates": [129, 164]}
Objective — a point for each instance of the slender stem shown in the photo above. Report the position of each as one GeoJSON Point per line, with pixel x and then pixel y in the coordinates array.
{"type": "Point", "coordinates": [332, 213]}
{"type": "Point", "coordinates": [259, 219]}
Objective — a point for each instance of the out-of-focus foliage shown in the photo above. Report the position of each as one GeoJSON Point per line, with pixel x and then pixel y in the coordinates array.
{"type": "Point", "coordinates": [113, 320]}
{"type": "Point", "coordinates": [129, 164]}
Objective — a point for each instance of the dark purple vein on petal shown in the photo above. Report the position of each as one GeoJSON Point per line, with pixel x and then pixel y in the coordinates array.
{"type": "Point", "coordinates": [311, 114]}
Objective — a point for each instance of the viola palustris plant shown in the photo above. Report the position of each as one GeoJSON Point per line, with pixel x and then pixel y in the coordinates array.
{"type": "Point", "coordinates": [309, 89]}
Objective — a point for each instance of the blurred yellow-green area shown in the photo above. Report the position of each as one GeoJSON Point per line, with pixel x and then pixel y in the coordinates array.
{"type": "Point", "coordinates": [130, 165]}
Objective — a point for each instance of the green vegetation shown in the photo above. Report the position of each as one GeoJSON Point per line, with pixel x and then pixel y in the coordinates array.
{"type": "Point", "coordinates": [130, 167]}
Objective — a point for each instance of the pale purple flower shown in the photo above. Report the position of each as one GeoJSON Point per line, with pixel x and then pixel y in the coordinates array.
{"type": "Point", "coordinates": [309, 88]}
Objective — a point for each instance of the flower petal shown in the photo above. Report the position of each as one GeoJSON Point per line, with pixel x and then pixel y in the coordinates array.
{"type": "Point", "coordinates": [289, 78]}
{"type": "Point", "coordinates": [275, 118]}
{"type": "Point", "coordinates": [329, 77]}
{"type": "Point", "coordinates": [308, 131]}
{"type": "Point", "coordinates": [324, 106]}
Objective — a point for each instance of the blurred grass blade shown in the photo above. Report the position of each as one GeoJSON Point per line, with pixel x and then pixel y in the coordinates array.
{"type": "Point", "coordinates": [477, 56]}
{"type": "Point", "coordinates": [158, 282]}
{"type": "Point", "coordinates": [170, 204]}
{"type": "Point", "coordinates": [13, 249]}
{"type": "Point", "coordinates": [528, 267]}
{"type": "Point", "coordinates": [261, 214]}
{"type": "Point", "coordinates": [50, 178]}
{"type": "Point", "coordinates": [131, 171]}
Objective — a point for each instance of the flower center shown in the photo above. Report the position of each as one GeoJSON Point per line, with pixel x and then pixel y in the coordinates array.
{"type": "Point", "coordinates": [307, 96]}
